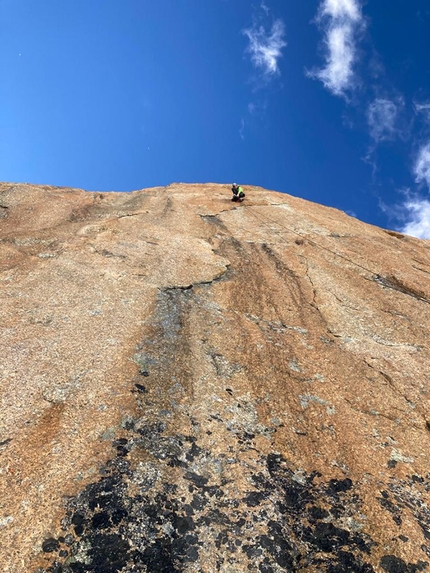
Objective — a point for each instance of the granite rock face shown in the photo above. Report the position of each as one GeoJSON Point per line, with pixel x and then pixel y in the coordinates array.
{"type": "Point", "coordinates": [191, 385]}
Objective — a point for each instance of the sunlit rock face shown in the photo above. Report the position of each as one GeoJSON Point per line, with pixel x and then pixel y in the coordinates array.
{"type": "Point", "coordinates": [194, 385]}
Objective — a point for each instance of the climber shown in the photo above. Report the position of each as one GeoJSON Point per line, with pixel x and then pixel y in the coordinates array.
{"type": "Point", "coordinates": [238, 194]}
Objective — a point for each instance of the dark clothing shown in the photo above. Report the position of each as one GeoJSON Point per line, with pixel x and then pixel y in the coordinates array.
{"type": "Point", "coordinates": [238, 194]}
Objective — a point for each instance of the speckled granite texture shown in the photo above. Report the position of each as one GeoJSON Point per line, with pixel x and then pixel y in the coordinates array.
{"type": "Point", "coordinates": [191, 385]}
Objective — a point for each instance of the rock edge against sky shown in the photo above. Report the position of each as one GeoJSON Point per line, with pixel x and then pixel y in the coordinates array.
{"type": "Point", "coordinates": [192, 385]}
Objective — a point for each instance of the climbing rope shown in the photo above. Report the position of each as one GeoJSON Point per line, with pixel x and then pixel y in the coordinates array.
{"type": "Point", "coordinates": [309, 240]}
{"type": "Point", "coordinates": [381, 280]}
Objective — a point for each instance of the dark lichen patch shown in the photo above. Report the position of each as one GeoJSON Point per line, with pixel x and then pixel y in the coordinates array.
{"type": "Point", "coordinates": [254, 498]}
{"type": "Point", "coordinates": [109, 553]}
{"type": "Point", "coordinates": [50, 545]}
{"type": "Point", "coordinates": [173, 502]}
{"type": "Point", "coordinates": [140, 388]}
{"type": "Point", "coordinates": [199, 481]}
{"type": "Point", "coordinates": [387, 504]}
{"type": "Point", "coordinates": [194, 452]}
{"type": "Point", "coordinates": [409, 497]}
{"type": "Point", "coordinates": [289, 521]}
{"type": "Point", "coordinates": [282, 525]}
{"type": "Point", "coordinates": [158, 557]}
{"type": "Point", "coordinates": [315, 531]}
{"type": "Point", "coordinates": [393, 564]}
{"type": "Point", "coordinates": [337, 486]}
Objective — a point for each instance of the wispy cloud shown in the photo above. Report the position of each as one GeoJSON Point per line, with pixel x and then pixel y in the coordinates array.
{"type": "Point", "coordinates": [264, 7]}
{"type": "Point", "coordinates": [265, 46]}
{"type": "Point", "coordinates": [382, 119]}
{"type": "Point", "coordinates": [423, 108]}
{"type": "Point", "coordinates": [418, 213]}
{"type": "Point", "coordinates": [415, 210]}
{"type": "Point", "coordinates": [266, 43]}
{"type": "Point", "coordinates": [422, 165]}
{"type": "Point", "coordinates": [341, 20]}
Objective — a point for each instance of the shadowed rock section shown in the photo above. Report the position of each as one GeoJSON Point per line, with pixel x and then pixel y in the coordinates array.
{"type": "Point", "coordinates": [189, 385]}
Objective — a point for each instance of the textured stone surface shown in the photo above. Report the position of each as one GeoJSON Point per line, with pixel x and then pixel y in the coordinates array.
{"type": "Point", "coordinates": [192, 385]}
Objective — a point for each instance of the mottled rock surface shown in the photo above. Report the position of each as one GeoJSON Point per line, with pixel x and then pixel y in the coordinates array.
{"type": "Point", "coordinates": [193, 385]}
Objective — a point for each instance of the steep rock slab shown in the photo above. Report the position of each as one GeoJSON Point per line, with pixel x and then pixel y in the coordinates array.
{"type": "Point", "coordinates": [188, 385]}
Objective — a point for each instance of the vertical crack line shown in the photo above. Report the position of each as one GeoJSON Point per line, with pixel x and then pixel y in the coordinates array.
{"type": "Point", "coordinates": [314, 303]}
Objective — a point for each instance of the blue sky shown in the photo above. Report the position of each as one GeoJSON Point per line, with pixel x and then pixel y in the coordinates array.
{"type": "Point", "coordinates": [328, 100]}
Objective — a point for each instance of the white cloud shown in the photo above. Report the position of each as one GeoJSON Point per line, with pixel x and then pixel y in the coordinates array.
{"type": "Point", "coordinates": [415, 210]}
{"type": "Point", "coordinates": [341, 9]}
{"type": "Point", "coordinates": [266, 47]}
{"type": "Point", "coordinates": [340, 20]}
{"type": "Point", "coordinates": [422, 165]}
{"type": "Point", "coordinates": [338, 74]}
{"type": "Point", "coordinates": [418, 213]}
{"type": "Point", "coordinates": [382, 116]}
{"type": "Point", "coordinates": [423, 108]}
